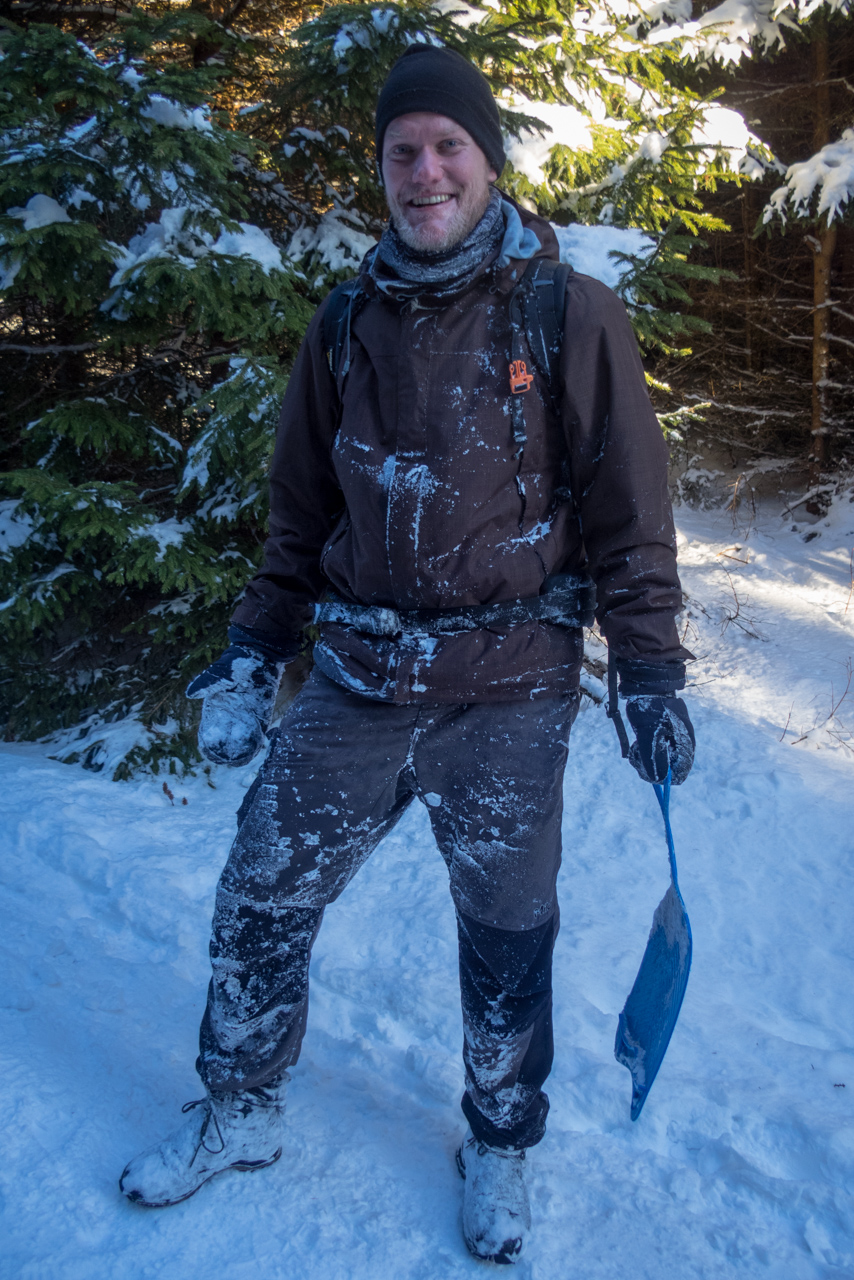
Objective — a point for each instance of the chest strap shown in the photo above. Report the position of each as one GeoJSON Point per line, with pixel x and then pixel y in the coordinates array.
{"type": "Point", "coordinates": [568, 600]}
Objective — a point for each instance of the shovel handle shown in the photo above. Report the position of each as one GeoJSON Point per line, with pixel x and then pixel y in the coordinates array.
{"type": "Point", "coordinates": [662, 792]}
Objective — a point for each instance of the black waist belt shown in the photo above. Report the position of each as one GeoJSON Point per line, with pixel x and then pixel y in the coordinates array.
{"type": "Point", "coordinates": [568, 600]}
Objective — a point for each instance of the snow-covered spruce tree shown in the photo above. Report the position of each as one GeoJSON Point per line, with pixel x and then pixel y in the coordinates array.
{"type": "Point", "coordinates": [144, 329]}
{"type": "Point", "coordinates": [152, 324]}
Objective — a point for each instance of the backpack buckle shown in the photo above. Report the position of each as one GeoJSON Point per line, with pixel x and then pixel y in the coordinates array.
{"type": "Point", "coordinates": [520, 379]}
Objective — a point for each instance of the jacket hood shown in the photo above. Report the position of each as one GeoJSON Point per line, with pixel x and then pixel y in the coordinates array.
{"type": "Point", "coordinates": [527, 236]}
{"type": "Point", "coordinates": [536, 225]}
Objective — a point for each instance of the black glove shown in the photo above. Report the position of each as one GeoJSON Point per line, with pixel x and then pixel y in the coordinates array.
{"type": "Point", "coordinates": [665, 737]}
{"type": "Point", "coordinates": [239, 695]}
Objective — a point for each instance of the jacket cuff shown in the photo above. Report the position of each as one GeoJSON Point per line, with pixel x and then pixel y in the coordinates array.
{"type": "Point", "coordinates": [274, 646]}
{"type": "Point", "coordinates": [637, 676]}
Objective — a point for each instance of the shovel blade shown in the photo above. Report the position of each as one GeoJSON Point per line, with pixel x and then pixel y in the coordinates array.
{"type": "Point", "coordinates": [647, 1021]}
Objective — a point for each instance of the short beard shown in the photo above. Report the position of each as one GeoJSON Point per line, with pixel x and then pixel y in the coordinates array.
{"type": "Point", "coordinates": [462, 224]}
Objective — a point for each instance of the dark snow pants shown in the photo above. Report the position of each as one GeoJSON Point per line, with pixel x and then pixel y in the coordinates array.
{"type": "Point", "coordinates": [339, 776]}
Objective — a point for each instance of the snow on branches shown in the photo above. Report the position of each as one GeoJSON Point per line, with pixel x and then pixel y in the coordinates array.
{"type": "Point", "coordinates": [821, 185]}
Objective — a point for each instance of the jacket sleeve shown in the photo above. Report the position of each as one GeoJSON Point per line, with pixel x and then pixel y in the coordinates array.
{"type": "Point", "coordinates": [618, 461]}
{"type": "Point", "coordinates": [305, 503]}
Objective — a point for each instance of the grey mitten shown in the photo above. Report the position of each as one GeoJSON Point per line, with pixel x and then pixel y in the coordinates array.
{"type": "Point", "coordinates": [664, 737]}
{"type": "Point", "coordinates": [238, 694]}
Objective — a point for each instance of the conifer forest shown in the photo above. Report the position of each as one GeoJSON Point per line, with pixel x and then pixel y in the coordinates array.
{"type": "Point", "coordinates": [181, 185]}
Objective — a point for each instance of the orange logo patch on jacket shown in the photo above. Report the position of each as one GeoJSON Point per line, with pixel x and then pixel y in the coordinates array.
{"type": "Point", "coordinates": [520, 379]}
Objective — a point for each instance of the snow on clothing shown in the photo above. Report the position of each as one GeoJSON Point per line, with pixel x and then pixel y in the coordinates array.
{"type": "Point", "coordinates": [496, 1208]}
{"type": "Point", "coordinates": [402, 486]}
{"type": "Point", "coordinates": [241, 1130]}
{"type": "Point", "coordinates": [238, 694]}
{"type": "Point", "coordinates": [664, 738]}
{"type": "Point", "coordinates": [407, 490]}
{"type": "Point", "coordinates": [341, 773]}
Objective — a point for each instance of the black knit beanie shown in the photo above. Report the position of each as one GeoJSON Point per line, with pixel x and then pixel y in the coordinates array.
{"type": "Point", "coordinates": [429, 78]}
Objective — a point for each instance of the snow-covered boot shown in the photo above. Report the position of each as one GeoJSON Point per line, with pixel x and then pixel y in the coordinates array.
{"type": "Point", "coordinates": [496, 1211]}
{"type": "Point", "coordinates": [225, 1131]}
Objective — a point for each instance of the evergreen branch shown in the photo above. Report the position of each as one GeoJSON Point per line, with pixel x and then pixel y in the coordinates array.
{"type": "Point", "coordinates": [738, 408]}
{"type": "Point", "coordinates": [30, 7]}
{"type": "Point", "coordinates": [48, 348]}
{"type": "Point", "coordinates": [800, 88]}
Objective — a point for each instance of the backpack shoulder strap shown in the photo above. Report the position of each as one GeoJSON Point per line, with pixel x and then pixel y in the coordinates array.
{"type": "Point", "coordinates": [344, 301]}
{"type": "Point", "coordinates": [543, 299]}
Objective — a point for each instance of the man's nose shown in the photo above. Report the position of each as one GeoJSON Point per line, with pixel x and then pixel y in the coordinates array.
{"type": "Point", "coordinates": [427, 168]}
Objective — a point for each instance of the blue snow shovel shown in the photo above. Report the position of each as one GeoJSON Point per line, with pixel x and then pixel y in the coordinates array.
{"type": "Point", "coordinates": [650, 1013]}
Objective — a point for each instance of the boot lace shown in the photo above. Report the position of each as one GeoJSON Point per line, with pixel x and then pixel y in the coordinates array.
{"type": "Point", "coordinates": [262, 1097]}
{"type": "Point", "coordinates": [506, 1153]}
{"type": "Point", "coordinates": [210, 1118]}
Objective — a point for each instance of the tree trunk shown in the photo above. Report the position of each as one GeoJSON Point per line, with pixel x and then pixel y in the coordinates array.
{"type": "Point", "coordinates": [748, 222]}
{"type": "Point", "coordinates": [823, 245]}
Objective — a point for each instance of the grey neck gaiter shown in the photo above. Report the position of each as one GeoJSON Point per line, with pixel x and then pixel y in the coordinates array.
{"type": "Point", "coordinates": [439, 274]}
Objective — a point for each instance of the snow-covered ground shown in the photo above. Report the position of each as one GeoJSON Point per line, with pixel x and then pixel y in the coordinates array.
{"type": "Point", "coordinates": [742, 1163]}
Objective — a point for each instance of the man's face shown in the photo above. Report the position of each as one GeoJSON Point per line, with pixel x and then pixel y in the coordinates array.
{"type": "Point", "coordinates": [436, 180]}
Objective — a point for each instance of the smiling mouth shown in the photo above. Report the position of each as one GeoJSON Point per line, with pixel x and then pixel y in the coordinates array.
{"type": "Point", "coordinates": [421, 202]}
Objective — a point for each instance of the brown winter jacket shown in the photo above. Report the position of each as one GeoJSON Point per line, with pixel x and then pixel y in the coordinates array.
{"type": "Point", "coordinates": [408, 493]}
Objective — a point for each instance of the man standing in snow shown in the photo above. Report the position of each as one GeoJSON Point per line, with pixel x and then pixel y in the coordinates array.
{"type": "Point", "coordinates": [446, 505]}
